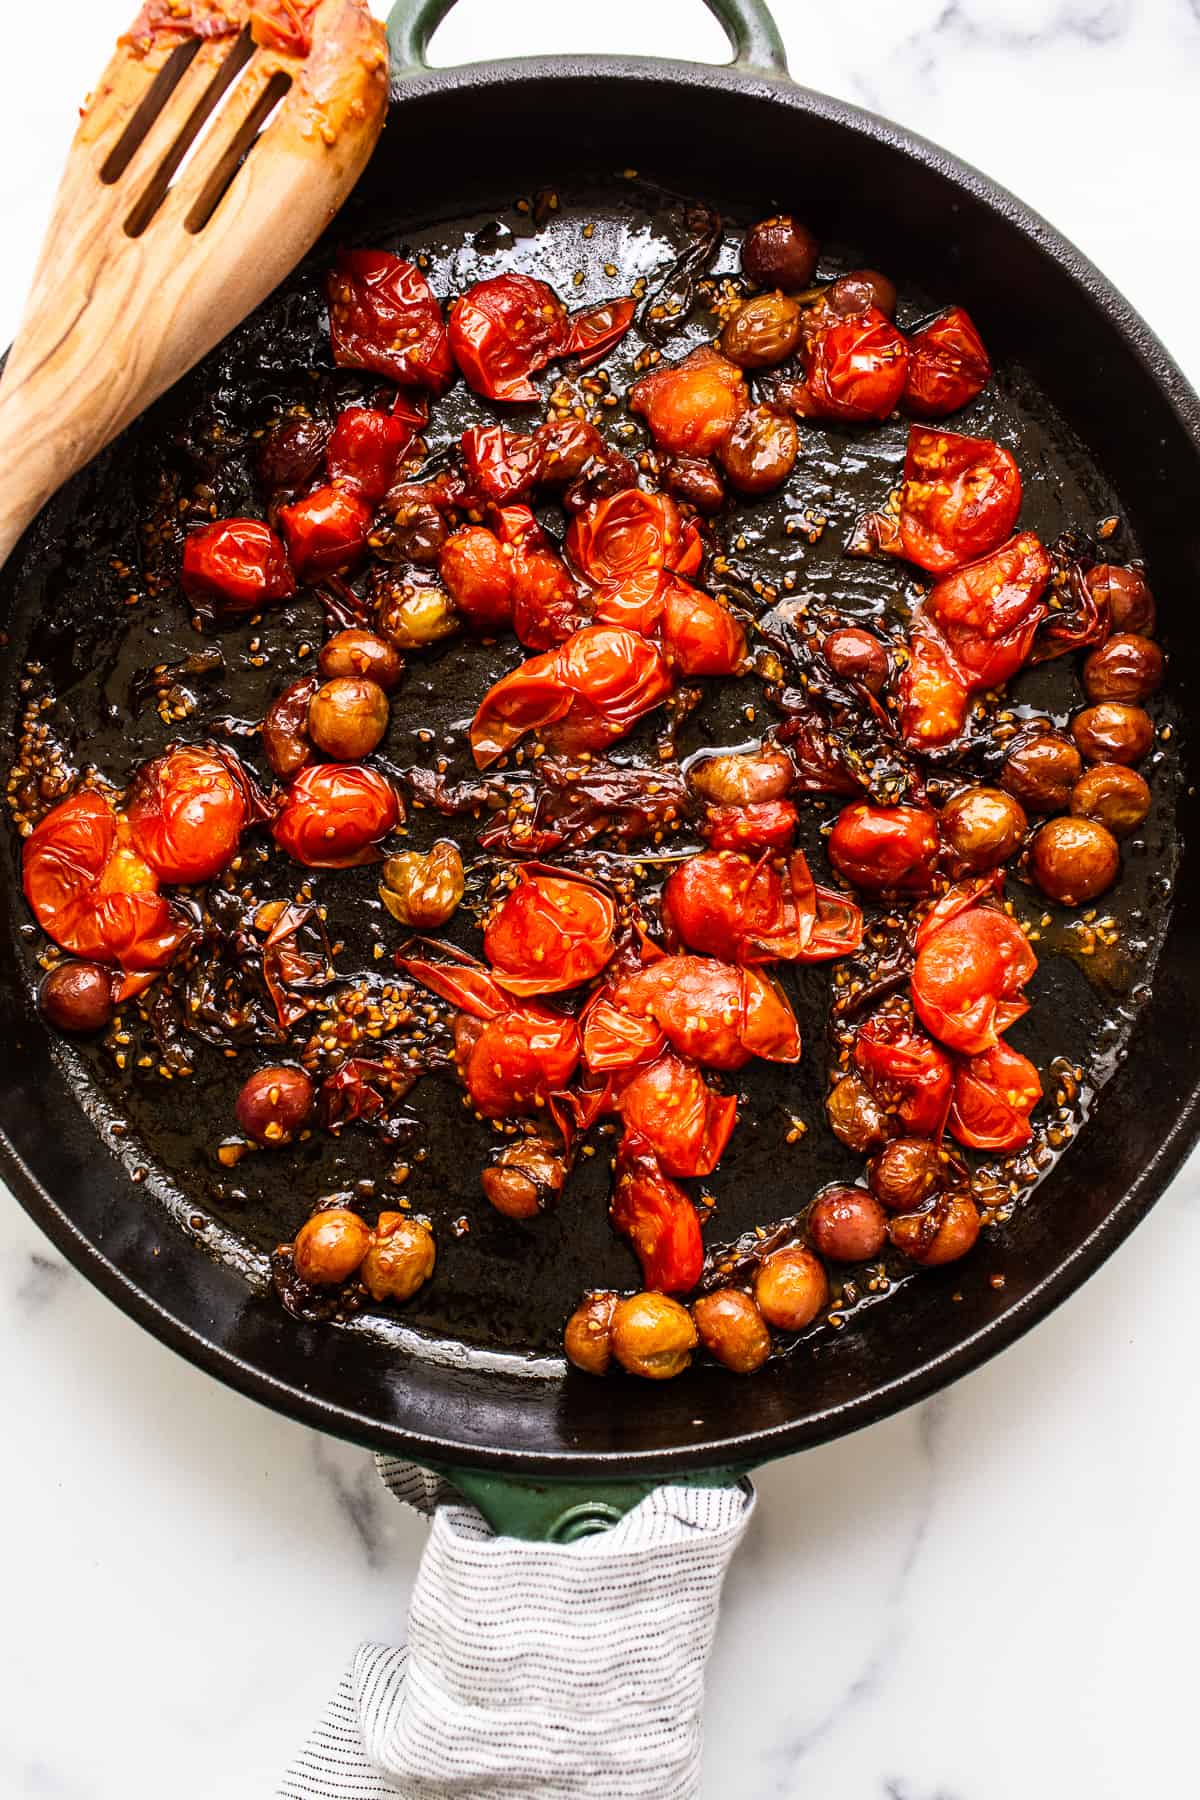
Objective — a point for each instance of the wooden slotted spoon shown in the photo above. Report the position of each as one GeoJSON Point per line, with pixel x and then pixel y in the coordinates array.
{"type": "Point", "coordinates": [221, 140]}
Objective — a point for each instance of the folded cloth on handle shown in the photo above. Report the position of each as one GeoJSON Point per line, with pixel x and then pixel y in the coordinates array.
{"type": "Point", "coordinates": [536, 1671]}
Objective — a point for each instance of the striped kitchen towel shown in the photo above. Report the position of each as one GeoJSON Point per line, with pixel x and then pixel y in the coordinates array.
{"type": "Point", "coordinates": [536, 1671]}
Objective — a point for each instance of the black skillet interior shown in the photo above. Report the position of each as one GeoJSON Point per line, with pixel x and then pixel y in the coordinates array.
{"type": "Point", "coordinates": [467, 1377]}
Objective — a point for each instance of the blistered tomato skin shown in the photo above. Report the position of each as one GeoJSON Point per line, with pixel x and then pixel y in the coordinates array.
{"type": "Point", "coordinates": [383, 316]}
{"type": "Point", "coordinates": [187, 813]}
{"type": "Point", "coordinates": [879, 848]}
{"type": "Point", "coordinates": [335, 814]}
{"type": "Point", "coordinates": [236, 565]}
{"type": "Point", "coordinates": [691, 406]}
{"type": "Point", "coordinates": [503, 330]}
{"type": "Point", "coordinates": [947, 366]}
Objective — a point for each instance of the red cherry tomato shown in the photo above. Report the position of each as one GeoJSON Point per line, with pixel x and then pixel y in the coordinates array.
{"type": "Point", "coordinates": [501, 465]}
{"type": "Point", "coordinates": [546, 606]}
{"type": "Point", "coordinates": [187, 812]}
{"type": "Point", "coordinates": [626, 532]}
{"type": "Point", "coordinates": [691, 406]}
{"type": "Point", "coordinates": [584, 695]}
{"type": "Point", "coordinates": [519, 1059]}
{"type": "Point", "coordinates": [615, 1039]}
{"type": "Point", "coordinates": [478, 578]}
{"type": "Point", "coordinates": [973, 631]}
{"type": "Point", "coordinates": [994, 1094]}
{"type": "Point", "coordinates": [711, 1011]}
{"type": "Point", "coordinates": [551, 932]}
{"type": "Point", "coordinates": [905, 1071]}
{"type": "Point", "coordinates": [90, 890]}
{"type": "Point", "coordinates": [239, 564]}
{"type": "Point", "coordinates": [597, 329]}
{"type": "Point", "coordinates": [748, 912]}
{"type": "Point", "coordinates": [683, 1121]}
{"type": "Point", "coordinates": [967, 981]}
{"type": "Point", "coordinates": [947, 366]}
{"type": "Point", "coordinates": [698, 635]}
{"type": "Point", "coordinates": [283, 25]}
{"type": "Point", "coordinates": [763, 825]}
{"type": "Point", "coordinates": [657, 1217]}
{"type": "Point", "coordinates": [365, 450]}
{"type": "Point", "coordinates": [854, 369]}
{"type": "Point", "coordinates": [960, 498]}
{"type": "Point", "coordinates": [383, 316]}
{"type": "Point", "coordinates": [884, 847]}
{"type": "Point", "coordinates": [505, 329]}
{"type": "Point", "coordinates": [334, 815]}
{"type": "Point", "coordinates": [326, 532]}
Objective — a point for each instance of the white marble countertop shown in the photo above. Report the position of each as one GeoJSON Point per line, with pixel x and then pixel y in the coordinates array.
{"type": "Point", "coordinates": [986, 1597]}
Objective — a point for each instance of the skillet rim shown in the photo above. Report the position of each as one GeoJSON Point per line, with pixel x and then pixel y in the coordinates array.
{"type": "Point", "coordinates": [916, 1383]}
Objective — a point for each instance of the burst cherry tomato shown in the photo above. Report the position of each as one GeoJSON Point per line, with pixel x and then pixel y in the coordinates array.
{"type": "Point", "coordinates": [478, 578]}
{"type": "Point", "coordinates": [712, 1012]}
{"type": "Point", "coordinates": [519, 1059]}
{"type": "Point", "coordinates": [334, 815]}
{"type": "Point", "coordinates": [974, 631]}
{"type": "Point", "coordinates": [365, 450]}
{"type": "Point", "coordinates": [546, 607]}
{"type": "Point", "coordinates": [947, 366]}
{"type": "Point", "coordinates": [766, 825]}
{"type": "Point", "coordinates": [505, 329]}
{"type": "Point", "coordinates": [905, 1071]}
{"type": "Point", "coordinates": [326, 532]}
{"type": "Point", "coordinates": [551, 932]}
{"type": "Point", "coordinates": [657, 1217]}
{"type": "Point", "coordinates": [882, 847]}
{"type": "Point", "coordinates": [187, 812]}
{"type": "Point", "coordinates": [383, 316]}
{"type": "Point", "coordinates": [960, 498]}
{"type": "Point", "coordinates": [854, 369]}
{"type": "Point", "coordinates": [90, 890]}
{"type": "Point", "coordinates": [683, 1121]}
{"type": "Point", "coordinates": [970, 969]}
{"type": "Point", "coordinates": [994, 1094]}
{"type": "Point", "coordinates": [626, 532]}
{"type": "Point", "coordinates": [691, 406]}
{"type": "Point", "coordinates": [239, 564]}
{"type": "Point", "coordinates": [501, 465]}
{"type": "Point", "coordinates": [582, 696]}
{"type": "Point", "coordinates": [744, 911]}
{"type": "Point", "coordinates": [698, 635]}
{"type": "Point", "coordinates": [597, 329]}
{"type": "Point", "coordinates": [616, 1040]}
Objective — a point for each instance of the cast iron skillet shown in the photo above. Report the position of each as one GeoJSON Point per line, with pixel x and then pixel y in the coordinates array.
{"type": "Point", "coordinates": [460, 143]}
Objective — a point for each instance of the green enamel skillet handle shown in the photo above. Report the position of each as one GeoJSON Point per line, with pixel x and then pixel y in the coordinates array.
{"type": "Point", "coordinates": [753, 33]}
{"type": "Point", "coordinates": [560, 1511]}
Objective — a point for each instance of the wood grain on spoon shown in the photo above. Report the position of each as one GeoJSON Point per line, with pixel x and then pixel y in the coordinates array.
{"type": "Point", "coordinates": [219, 143]}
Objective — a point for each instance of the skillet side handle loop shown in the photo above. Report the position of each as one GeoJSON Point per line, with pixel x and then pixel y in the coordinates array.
{"type": "Point", "coordinates": [752, 32]}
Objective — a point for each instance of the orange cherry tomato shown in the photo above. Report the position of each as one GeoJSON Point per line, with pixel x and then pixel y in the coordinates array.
{"type": "Point", "coordinates": [478, 578]}
{"type": "Point", "coordinates": [615, 1039]}
{"type": "Point", "coordinates": [698, 635]}
{"type": "Point", "coordinates": [968, 977]}
{"type": "Point", "coordinates": [551, 932]}
{"type": "Point", "coordinates": [238, 564]}
{"type": "Point", "coordinates": [691, 406]}
{"type": "Point", "coordinates": [383, 316]}
{"type": "Point", "coordinates": [763, 825]}
{"type": "Point", "coordinates": [90, 890]}
{"type": "Point", "coordinates": [335, 814]}
{"type": "Point", "coordinates": [947, 366]}
{"type": "Point", "coordinates": [622, 533]}
{"type": "Point", "coordinates": [365, 450]}
{"type": "Point", "coordinates": [854, 369]}
{"type": "Point", "coordinates": [505, 329]}
{"type": "Point", "coordinates": [519, 1059]}
{"type": "Point", "coordinates": [883, 847]}
{"type": "Point", "coordinates": [994, 1094]}
{"type": "Point", "coordinates": [657, 1217]}
{"type": "Point", "coordinates": [326, 532]}
{"type": "Point", "coordinates": [584, 695]}
{"type": "Point", "coordinates": [546, 607]}
{"type": "Point", "coordinates": [187, 812]}
{"type": "Point", "coordinates": [683, 1121]}
{"type": "Point", "coordinates": [906, 1072]}
{"type": "Point", "coordinates": [715, 1013]}
{"type": "Point", "coordinates": [973, 631]}
{"type": "Point", "coordinates": [960, 498]}
{"type": "Point", "coordinates": [742, 911]}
